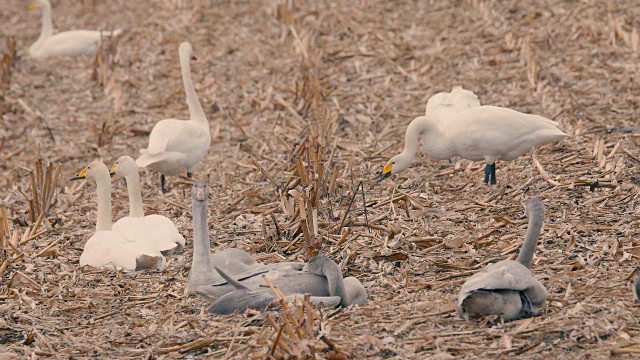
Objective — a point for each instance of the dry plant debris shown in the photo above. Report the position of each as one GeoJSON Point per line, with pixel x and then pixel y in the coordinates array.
{"type": "Point", "coordinates": [306, 100]}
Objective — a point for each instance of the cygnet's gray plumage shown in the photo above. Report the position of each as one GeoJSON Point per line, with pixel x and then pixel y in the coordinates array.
{"type": "Point", "coordinates": [636, 288]}
{"type": "Point", "coordinates": [321, 278]}
{"type": "Point", "coordinates": [234, 261]}
{"type": "Point", "coordinates": [507, 288]}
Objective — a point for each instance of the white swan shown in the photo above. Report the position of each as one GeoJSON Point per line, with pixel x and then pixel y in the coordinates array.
{"type": "Point", "coordinates": [486, 133]}
{"type": "Point", "coordinates": [74, 42]}
{"type": "Point", "coordinates": [157, 230]}
{"type": "Point", "coordinates": [107, 248]}
{"type": "Point", "coordinates": [178, 145]}
{"type": "Point", "coordinates": [507, 288]}
{"type": "Point", "coordinates": [321, 278]}
{"type": "Point", "coordinates": [445, 104]}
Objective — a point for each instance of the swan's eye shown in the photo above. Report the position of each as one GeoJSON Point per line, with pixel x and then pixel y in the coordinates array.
{"type": "Point", "coordinates": [393, 163]}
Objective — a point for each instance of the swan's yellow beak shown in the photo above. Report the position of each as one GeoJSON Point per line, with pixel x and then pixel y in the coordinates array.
{"type": "Point", "coordinates": [386, 172]}
{"type": "Point", "coordinates": [113, 169]}
{"type": "Point", "coordinates": [32, 6]}
{"type": "Point", "coordinates": [81, 175]}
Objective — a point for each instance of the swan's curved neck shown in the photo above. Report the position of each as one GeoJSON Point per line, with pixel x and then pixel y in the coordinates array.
{"type": "Point", "coordinates": [336, 286]}
{"type": "Point", "coordinates": [531, 238]}
{"type": "Point", "coordinates": [135, 195]}
{"type": "Point", "coordinates": [412, 137]}
{"type": "Point", "coordinates": [47, 24]}
{"type": "Point", "coordinates": [195, 109]}
{"type": "Point", "coordinates": [201, 262]}
{"type": "Point", "coordinates": [103, 188]}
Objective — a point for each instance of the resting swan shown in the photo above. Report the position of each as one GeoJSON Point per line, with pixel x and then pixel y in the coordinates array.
{"type": "Point", "coordinates": [203, 264]}
{"type": "Point", "coordinates": [178, 145]}
{"type": "Point", "coordinates": [446, 104]}
{"type": "Point", "coordinates": [74, 42]}
{"type": "Point", "coordinates": [321, 278]}
{"type": "Point", "coordinates": [507, 288]}
{"type": "Point", "coordinates": [157, 230]}
{"type": "Point", "coordinates": [486, 133]}
{"type": "Point", "coordinates": [107, 248]}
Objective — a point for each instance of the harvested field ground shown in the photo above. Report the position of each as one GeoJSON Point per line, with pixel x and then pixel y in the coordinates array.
{"type": "Point", "coordinates": [317, 95]}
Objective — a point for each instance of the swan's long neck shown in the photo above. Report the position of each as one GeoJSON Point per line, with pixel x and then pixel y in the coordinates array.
{"type": "Point", "coordinates": [336, 286]}
{"type": "Point", "coordinates": [103, 188]}
{"type": "Point", "coordinates": [415, 131]}
{"type": "Point", "coordinates": [47, 24]}
{"type": "Point", "coordinates": [195, 109]}
{"type": "Point", "coordinates": [135, 195]}
{"type": "Point", "coordinates": [536, 216]}
{"type": "Point", "coordinates": [201, 263]}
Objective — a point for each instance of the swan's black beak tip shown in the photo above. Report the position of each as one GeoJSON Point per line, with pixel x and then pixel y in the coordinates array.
{"type": "Point", "coordinates": [380, 176]}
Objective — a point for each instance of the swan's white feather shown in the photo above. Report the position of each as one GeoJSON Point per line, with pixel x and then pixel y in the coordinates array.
{"type": "Point", "coordinates": [74, 42]}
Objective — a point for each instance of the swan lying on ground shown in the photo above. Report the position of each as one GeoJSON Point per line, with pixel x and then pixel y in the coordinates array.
{"type": "Point", "coordinates": [203, 265]}
{"type": "Point", "coordinates": [321, 278]}
{"type": "Point", "coordinates": [486, 133]}
{"type": "Point", "coordinates": [507, 288]}
{"type": "Point", "coordinates": [73, 42]}
{"type": "Point", "coordinates": [107, 248]}
{"type": "Point", "coordinates": [235, 274]}
{"type": "Point", "coordinates": [179, 145]}
{"type": "Point", "coordinates": [157, 230]}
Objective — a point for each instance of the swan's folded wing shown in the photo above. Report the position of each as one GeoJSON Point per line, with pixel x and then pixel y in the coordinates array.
{"type": "Point", "coordinates": [505, 275]}
{"type": "Point", "coordinates": [173, 135]}
{"type": "Point", "coordinates": [242, 299]}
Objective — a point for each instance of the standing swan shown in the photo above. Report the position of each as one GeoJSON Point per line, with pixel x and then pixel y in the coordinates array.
{"type": "Point", "coordinates": [74, 42]}
{"type": "Point", "coordinates": [107, 248]}
{"type": "Point", "coordinates": [321, 277]}
{"type": "Point", "coordinates": [178, 145]}
{"type": "Point", "coordinates": [507, 288]}
{"type": "Point", "coordinates": [157, 230]}
{"type": "Point", "coordinates": [486, 133]}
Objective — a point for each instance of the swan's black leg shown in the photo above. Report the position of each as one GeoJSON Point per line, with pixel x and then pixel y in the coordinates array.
{"type": "Point", "coordinates": [493, 174]}
{"type": "Point", "coordinates": [162, 183]}
{"type": "Point", "coordinates": [487, 172]}
{"type": "Point", "coordinates": [189, 175]}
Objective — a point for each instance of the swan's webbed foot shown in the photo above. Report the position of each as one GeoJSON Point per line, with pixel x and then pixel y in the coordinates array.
{"type": "Point", "coordinates": [190, 175]}
{"type": "Point", "coordinates": [163, 181]}
{"type": "Point", "coordinates": [490, 174]}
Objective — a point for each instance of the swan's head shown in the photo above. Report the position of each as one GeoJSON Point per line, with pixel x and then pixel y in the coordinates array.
{"type": "Point", "coordinates": [124, 166]}
{"type": "Point", "coordinates": [186, 50]}
{"type": "Point", "coordinates": [39, 4]}
{"type": "Point", "coordinates": [395, 165]}
{"type": "Point", "coordinates": [534, 207]}
{"type": "Point", "coordinates": [92, 171]}
{"type": "Point", "coordinates": [200, 191]}
{"type": "Point", "coordinates": [356, 292]}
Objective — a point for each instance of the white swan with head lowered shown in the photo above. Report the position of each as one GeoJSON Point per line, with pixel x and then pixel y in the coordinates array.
{"type": "Point", "coordinates": [507, 288]}
{"type": "Point", "coordinates": [155, 229]}
{"type": "Point", "coordinates": [107, 248]}
{"type": "Point", "coordinates": [478, 133]}
{"type": "Point", "coordinates": [178, 145]}
{"type": "Point", "coordinates": [73, 42]}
